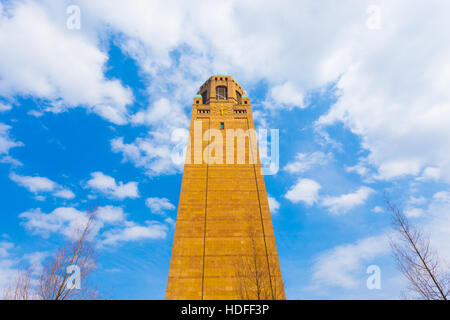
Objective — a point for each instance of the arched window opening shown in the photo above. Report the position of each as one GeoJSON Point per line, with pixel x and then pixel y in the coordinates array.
{"type": "Point", "coordinates": [238, 97]}
{"type": "Point", "coordinates": [221, 93]}
{"type": "Point", "coordinates": [204, 97]}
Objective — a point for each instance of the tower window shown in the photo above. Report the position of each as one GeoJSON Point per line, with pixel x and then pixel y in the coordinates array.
{"type": "Point", "coordinates": [221, 93]}
{"type": "Point", "coordinates": [204, 97]}
{"type": "Point", "coordinates": [238, 97]}
{"type": "Point", "coordinates": [222, 125]}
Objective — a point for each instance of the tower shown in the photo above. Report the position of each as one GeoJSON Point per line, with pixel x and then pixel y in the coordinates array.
{"type": "Point", "coordinates": [224, 244]}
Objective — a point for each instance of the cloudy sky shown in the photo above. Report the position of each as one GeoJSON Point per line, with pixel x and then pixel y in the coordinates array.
{"type": "Point", "coordinates": [359, 90]}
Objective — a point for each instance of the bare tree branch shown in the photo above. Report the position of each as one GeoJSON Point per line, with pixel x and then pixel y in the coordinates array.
{"type": "Point", "coordinates": [254, 279]}
{"type": "Point", "coordinates": [417, 260]}
{"type": "Point", "coordinates": [20, 288]}
{"type": "Point", "coordinates": [53, 281]}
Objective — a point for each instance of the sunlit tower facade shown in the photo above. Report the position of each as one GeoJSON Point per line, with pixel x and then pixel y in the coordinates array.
{"type": "Point", "coordinates": [224, 238]}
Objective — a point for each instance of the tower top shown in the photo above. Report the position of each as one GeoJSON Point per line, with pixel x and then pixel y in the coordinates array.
{"type": "Point", "coordinates": [221, 88]}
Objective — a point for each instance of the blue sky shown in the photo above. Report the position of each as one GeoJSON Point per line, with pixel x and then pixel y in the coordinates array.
{"type": "Point", "coordinates": [87, 117]}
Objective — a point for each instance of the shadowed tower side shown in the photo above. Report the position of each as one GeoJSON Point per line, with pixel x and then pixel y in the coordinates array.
{"type": "Point", "coordinates": [224, 244]}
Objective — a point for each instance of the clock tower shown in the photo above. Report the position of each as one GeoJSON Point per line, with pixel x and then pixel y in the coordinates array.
{"type": "Point", "coordinates": [224, 244]}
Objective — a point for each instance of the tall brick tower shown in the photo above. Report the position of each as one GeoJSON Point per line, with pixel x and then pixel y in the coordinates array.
{"type": "Point", "coordinates": [224, 244]}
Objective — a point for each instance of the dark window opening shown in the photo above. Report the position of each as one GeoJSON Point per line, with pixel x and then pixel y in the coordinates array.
{"type": "Point", "coordinates": [222, 125]}
{"type": "Point", "coordinates": [204, 97]}
{"type": "Point", "coordinates": [221, 93]}
{"type": "Point", "coordinates": [238, 97]}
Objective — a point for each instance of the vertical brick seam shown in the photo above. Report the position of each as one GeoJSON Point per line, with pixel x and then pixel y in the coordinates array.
{"type": "Point", "coordinates": [259, 202]}
{"type": "Point", "coordinates": [206, 210]}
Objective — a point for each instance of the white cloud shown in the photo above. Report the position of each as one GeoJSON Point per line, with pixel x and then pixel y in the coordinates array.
{"type": "Point", "coordinates": [346, 202]}
{"type": "Point", "coordinates": [440, 228]}
{"type": "Point", "coordinates": [412, 209]}
{"type": "Point", "coordinates": [40, 198]}
{"type": "Point", "coordinates": [34, 184]}
{"type": "Point", "coordinates": [36, 260]}
{"type": "Point", "coordinates": [42, 58]}
{"type": "Point", "coordinates": [358, 168]}
{"type": "Point", "coordinates": [347, 50]}
{"type": "Point", "coordinates": [159, 205]}
{"type": "Point", "coordinates": [341, 265]}
{"type": "Point", "coordinates": [41, 184]}
{"type": "Point", "coordinates": [63, 220]}
{"type": "Point", "coordinates": [108, 186]}
{"type": "Point", "coordinates": [414, 212]}
{"type": "Point", "coordinates": [162, 113]}
{"type": "Point", "coordinates": [5, 107]}
{"type": "Point", "coordinates": [153, 153]}
{"type": "Point", "coordinates": [392, 92]}
{"type": "Point", "coordinates": [6, 143]}
{"type": "Point", "coordinates": [5, 246]}
{"type": "Point", "coordinates": [305, 161]}
{"type": "Point", "coordinates": [64, 193]}
{"type": "Point", "coordinates": [377, 209]}
{"type": "Point", "coordinates": [436, 223]}
{"type": "Point", "coordinates": [8, 268]}
{"type": "Point", "coordinates": [430, 173]}
{"type": "Point", "coordinates": [344, 265]}
{"type": "Point", "coordinates": [11, 262]}
{"type": "Point", "coordinates": [233, 21]}
{"type": "Point", "coordinates": [200, 43]}
{"type": "Point", "coordinates": [306, 190]}
{"type": "Point", "coordinates": [417, 200]}
{"type": "Point", "coordinates": [364, 169]}
{"type": "Point", "coordinates": [135, 232]}
{"type": "Point", "coordinates": [12, 161]}
{"type": "Point", "coordinates": [170, 221]}
{"type": "Point", "coordinates": [110, 214]}
{"type": "Point", "coordinates": [110, 225]}
{"type": "Point", "coordinates": [274, 205]}
{"type": "Point", "coordinates": [286, 96]}
{"type": "Point", "coordinates": [400, 106]}
{"type": "Point", "coordinates": [35, 113]}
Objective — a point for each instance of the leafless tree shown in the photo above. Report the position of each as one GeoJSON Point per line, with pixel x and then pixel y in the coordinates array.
{"type": "Point", "coordinates": [53, 281]}
{"type": "Point", "coordinates": [20, 287]}
{"type": "Point", "coordinates": [417, 260]}
{"type": "Point", "coordinates": [254, 279]}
